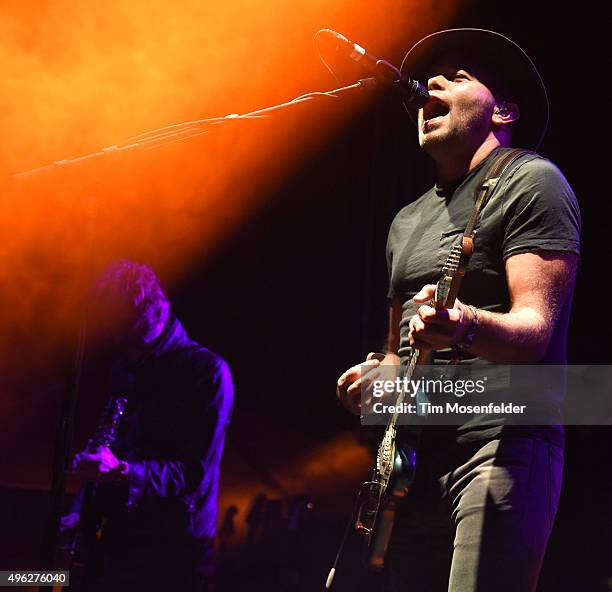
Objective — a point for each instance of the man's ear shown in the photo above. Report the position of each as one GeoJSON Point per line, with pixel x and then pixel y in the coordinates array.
{"type": "Point", "coordinates": [505, 113]}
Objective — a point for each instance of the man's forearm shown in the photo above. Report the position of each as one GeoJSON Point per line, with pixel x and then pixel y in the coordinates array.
{"type": "Point", "coordinates": [516, 337]}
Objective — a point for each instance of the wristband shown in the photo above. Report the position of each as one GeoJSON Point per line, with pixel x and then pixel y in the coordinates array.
{"type": "Point", "coordinates": [470, 334]}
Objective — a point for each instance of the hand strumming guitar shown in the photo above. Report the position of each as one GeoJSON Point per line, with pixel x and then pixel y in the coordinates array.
{"type": "Point", "coordinates": [360, 378]}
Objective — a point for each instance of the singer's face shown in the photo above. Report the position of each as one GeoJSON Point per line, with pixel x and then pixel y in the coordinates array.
{"type": "Point", "coordinates": [459, 114]}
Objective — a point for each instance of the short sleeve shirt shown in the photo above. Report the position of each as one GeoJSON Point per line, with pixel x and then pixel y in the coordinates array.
{"type": "Point", "coordinates": [532, 209]}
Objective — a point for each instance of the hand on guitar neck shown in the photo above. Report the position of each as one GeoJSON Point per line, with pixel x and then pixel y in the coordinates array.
{"type": "Point", "coordinates": [438, 328]}
{"type": "Point", "coordinates": [99, 465]}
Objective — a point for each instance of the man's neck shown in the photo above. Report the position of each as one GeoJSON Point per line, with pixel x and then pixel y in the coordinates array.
{"type": "Point", "coordinates": [453, 167]}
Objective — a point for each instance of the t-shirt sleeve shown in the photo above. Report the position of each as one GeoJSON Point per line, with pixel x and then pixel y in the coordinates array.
{"type": "Point", "coordinates": [540, 211]}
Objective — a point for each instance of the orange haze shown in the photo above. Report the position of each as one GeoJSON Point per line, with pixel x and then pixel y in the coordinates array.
{"type": "Point", "coordinates": [79, 75]}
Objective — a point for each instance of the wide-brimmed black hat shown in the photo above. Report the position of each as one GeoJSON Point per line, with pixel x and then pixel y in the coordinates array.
{"type": "Point", "coordinates": [512, 68]}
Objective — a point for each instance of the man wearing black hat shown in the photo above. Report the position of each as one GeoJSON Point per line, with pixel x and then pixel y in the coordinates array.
{"type": "Point", "coordinates": [481, 510]}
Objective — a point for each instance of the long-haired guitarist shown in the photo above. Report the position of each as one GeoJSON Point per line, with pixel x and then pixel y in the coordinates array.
{"type": "Point", "coordinates": [149, 520]}
{"type": "Point", "coordinates": [485, 495]}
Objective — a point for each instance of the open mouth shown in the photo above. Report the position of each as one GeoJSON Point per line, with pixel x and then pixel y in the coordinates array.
{"type": "Point", "coordinates": [434, 109]}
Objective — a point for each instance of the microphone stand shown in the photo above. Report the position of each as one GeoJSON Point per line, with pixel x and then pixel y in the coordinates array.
{"type": "Point", "coordinates": [181, 132]}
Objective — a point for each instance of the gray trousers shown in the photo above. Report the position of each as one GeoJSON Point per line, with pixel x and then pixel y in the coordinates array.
{"type": "Point", "coordinates": [480, 526]}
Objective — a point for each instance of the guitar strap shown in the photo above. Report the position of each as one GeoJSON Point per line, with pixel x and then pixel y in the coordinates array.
{"type": "Point", "coordinates": [488, 183]}
{"type": "Point", "coordinates": [484, 189]}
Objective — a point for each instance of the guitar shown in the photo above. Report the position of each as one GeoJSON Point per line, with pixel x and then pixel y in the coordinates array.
{"type": "Point", "coordinates": [89, 530]}
{"type": "Point", "coordinates": [393, 475]}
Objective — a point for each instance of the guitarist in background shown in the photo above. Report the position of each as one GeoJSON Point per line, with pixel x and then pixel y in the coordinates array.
{"type": "Point", "coordinates": [158, 481]}
{"type": "Point", "coordinates": [485, 495]}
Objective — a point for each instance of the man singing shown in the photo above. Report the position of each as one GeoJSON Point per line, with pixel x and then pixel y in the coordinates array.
{"type": "Point", "coordinates": [158, 481]}
{"type": "Point", "coordinates": [485, 495]}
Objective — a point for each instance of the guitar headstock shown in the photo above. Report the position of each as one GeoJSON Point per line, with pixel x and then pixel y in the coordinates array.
{"type": "Point", "coordinates": [453, 270]}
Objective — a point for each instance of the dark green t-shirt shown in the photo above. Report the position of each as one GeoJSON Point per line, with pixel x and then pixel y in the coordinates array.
{"type": "Point", "coordinates": [532, 209]}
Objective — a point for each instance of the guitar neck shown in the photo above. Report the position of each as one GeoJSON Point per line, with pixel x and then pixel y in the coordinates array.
{"type": "Point", "coordinates": [447, 290]}
{"type": "Point", "coordinates": [418, 357]}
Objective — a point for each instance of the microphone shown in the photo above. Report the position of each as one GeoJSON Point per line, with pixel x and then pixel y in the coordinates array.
{"type": "Point", "coordinates": [412, 91]}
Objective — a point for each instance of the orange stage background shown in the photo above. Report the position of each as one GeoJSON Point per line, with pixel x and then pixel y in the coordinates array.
{"type": "Point", "coordinates": [79, 76]}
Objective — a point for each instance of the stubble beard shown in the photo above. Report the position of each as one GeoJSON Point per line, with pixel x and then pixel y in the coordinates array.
{"type": "Point", "coordinates": [440, 143]}
{"type": "Point", "coordinates": [453, 139]}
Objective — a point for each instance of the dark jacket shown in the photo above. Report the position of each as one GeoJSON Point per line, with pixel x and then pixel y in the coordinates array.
{"type": "Point", "coordinates": [172, 434]}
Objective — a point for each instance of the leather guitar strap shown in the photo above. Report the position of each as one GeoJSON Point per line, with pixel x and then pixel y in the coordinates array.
{"type": "Point", "coordinates": [484, 189]}
{"type": "Point", "coordinates": [488, 182]}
